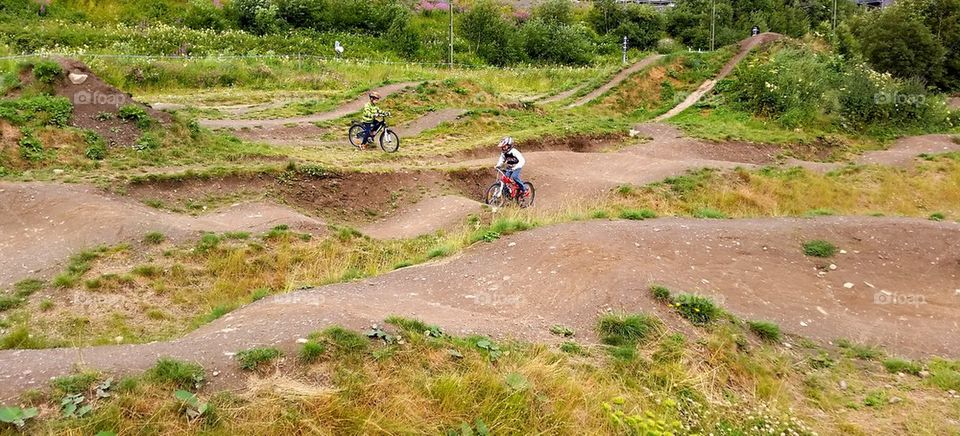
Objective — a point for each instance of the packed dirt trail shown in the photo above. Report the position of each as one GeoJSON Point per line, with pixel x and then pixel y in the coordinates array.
{"type": "Point", "coordinates": [616, 80]}
{"type": "Point", "coordinates": [42, 224]}
{"type": "Point", "coordinates": [567, 274]}
{"type": "Point", "coordinates": [346, 109]}
{"type": "Point", "coordinates": [745, 47]}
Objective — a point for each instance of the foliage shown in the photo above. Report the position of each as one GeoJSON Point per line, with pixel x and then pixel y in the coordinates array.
{"type": "Point", "coordinates": [697, 309]}
{"type": "Point", "coordinates": [134, 113]}
{"type": "Point", "coordinates": [191, 405]}
{"type": "Point", "coordinates": [180, 374]}
{"type": "Point", "coordinates": [17, 416]}
{"type": "Point", "coordinates": [31, 149]}
{"type": "Point", "coordinates": [621, 329]}
{"type": "Point", "coordinates": [254, 357]}
{"type": "Point", "coordinates": [637, 214]}
{"type": "Point", "coordinates": [47, 71]}
{"type": "Point", "coordinates": [765, 330]}
{"type": "Point", "coordinates": [36, 111]}
{"type": "Point", "coordinates": [660, 293]}
{"type": "Point", "coordinates": [96, 147]}
{"type": "Point", "coordinates": [819, 248]}
{"type": "Point", "coordinates": [896, 365]}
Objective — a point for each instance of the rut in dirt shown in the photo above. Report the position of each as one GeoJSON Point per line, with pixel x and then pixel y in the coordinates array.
{"type": "Point", "coordinates": [567, 274]}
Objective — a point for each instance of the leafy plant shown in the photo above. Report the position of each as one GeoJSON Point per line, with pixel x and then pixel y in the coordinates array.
{"type": "Point", "coordinates": [937, 216]}
{"type": "Point", "coordinates": [72, 406]}
{"type": "Point", "coordinates": [31, 149]}
{"type": "Point", "coordinates": [660, 293]}
{"type": "Point", "coordinates": [191, 405]}
{"type": "Point", "coordinates": [695, 308]}
{"type": "Point", "coordinates": [134, 113]}
{"type": "Point", "coordinates": [96, 148]}
{"type": "Point", "coordinates": [561, 330]}
{"type": "Point", "coordinates": [47, 71]}
{"type": "Point", "coordinates": [490, 348]}
{"type": "Point", "coordinates": [17, 416]}
{"type": "Point", "coordinates": [819, 248]}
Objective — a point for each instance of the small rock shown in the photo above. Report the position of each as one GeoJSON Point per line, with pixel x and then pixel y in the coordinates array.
{"type": "Point", "coordinates": [118, 339]}
{"type": "Point", "coordinates": [952, 392]}
{"type": "Point", "coordinates": [787, 344]}
{"type": "Point", "coordinates": [512, 244]}
{"type": "Point", "coordinates": [848, 285]}
{"type": "Point", "coordinates": [924, 374]}
{"type": "Point", "coordinates": [833, 267]}
{"type": "Point", "coordinates": [843, 251]}
{"type": "Point", "coordinates": [894, 400]}
{"type": "Point", "coordinates": [302, 341]}
{"type": "Point", "coordinates": [58, 171]}
{"type": "Point", "coordinates": [842, 385]}
{"type": "Point", "coordinates": [77, 78]}
{"type": "Point", "coordinates": [216, 373]}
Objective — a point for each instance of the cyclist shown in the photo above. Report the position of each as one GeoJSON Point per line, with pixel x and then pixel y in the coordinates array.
{"type": "Point", "coordinates": [369, 118]}
{"type": "Point", "coordinates": [512, 161]}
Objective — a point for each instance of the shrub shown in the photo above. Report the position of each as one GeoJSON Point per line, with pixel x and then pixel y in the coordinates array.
{"type": "Point", "coordinates": [696, 309]}
{"type": "Point", "coordinates": [709, 213]}
{"type": "Point", "coordinates": [254, 357]}
{"type": "Point", "coordinates": [147, 142]}
{"type": "Point", "coordinates": [31, 149]}
{"type": "Point", "coordinates": [622, 329]}
{"type": "Point", "coordinates": [895, 365]}
{"type": "Point", "coordinates": [819, 248]}
{"type": "Point", "coordinates": [47, 72]}
{"type": "Point", "coordinates": [96, 148]}
{"type": "Point", "coordinates": [765, 330]}
{"type": "Point", "coordinates": [183, 375]}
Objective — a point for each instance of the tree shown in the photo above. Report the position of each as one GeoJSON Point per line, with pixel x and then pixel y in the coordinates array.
{"type": "Point", "coordinates": [897, 42]}
{"type": "Point", "coordinates": [555, 12]}
{"type": "Point", "coordinates": [488, 32]}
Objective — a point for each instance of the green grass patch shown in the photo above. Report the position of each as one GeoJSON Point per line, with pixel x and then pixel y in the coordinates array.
{"type": "Point", "coordinates": [859, 351]}
{"type": "Point", "coordinates": [819, 248]}
{"type": "Point", "coordinates": [706, 212]}
{"type": "Point", "coordinates": [620, 329]}
{"type": "Point", "coordinates": [637, 214]}
{"type": "Point", "coordinates": [660, 293]}
{"type": "Point", "coordinates": [74, 383]}
{"type": "Point", "coordinates": [765, 330]}
{"type": "Point", "coordinates": [176, 373]}
{"type": "Point", "coordinates": [697, 309]}
{"type": "Point", "coordinates": [312, 351]}
{"type": "Point", "coordinates": [895, 365]}
{"type": "Point", "coordinates": [256, 357]}
{"type": "Point", "coordinates": [154, 238]}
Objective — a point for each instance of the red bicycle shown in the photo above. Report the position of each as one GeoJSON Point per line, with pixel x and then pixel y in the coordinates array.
{"type": "Point", "coordinates": [505, 189]}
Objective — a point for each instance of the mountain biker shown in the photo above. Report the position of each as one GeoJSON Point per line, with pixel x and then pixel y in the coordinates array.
{"type": "Point", "coordinates": [512, 161]}
{"type": "Point", "coordinates": [369, 118]}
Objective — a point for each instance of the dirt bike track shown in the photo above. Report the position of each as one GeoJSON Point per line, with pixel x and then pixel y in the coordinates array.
{"type": "Point", "coordinates": [567, 274]}
{"type": "Point", "coordinates": [45, 223]}
{"type": "Point", "coordinates": [562, 274]}
{"type": "Point", "coordinates": [616, 80]}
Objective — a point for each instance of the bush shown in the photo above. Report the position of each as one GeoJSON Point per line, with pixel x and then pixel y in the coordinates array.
{"type": "Point", "coordinates": [183, 375]}
{"type": "Point", "coordinates": [31, 149]}
{"type": "Point", "coordinates": [895, 365]}
{"type": "Point", "coordinates": [96, 148]}
{"type": "Point", "coordinates": [696, 309]}
{"type": "Point", "coordinates": [557, 43]}
{"type": "Point", "coordinates": [40, 110]}
{"type": "Point", "coordinates": [819, 248]}
{"type": "Point", "coordinates": [47, 72]}
{"type": "Point", "coordinates": [254, 357]}
{"type": "Point", "coordinates": [765, 330]}
{"type": "Point", "coordinates": [622, 329]}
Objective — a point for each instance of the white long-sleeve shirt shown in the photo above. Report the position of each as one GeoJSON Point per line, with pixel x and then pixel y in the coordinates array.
{"type": "Point", "coordinates": [516, 155]}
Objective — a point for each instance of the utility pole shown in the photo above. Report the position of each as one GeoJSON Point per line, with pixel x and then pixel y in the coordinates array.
{"type": "Point", "coordinates": [624, 49]}
{"type": "Point", "coordinates": [713, 26]}
{"type": "Point", "coordinates": [834, 14]}
{"type": "Point", "coordinates": [450, 7]}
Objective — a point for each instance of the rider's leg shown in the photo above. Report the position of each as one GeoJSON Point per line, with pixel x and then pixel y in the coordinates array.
{"type": "Point", "coordinates": [515, 176]}
{"type": "Point", "coordinates": [367, 133]}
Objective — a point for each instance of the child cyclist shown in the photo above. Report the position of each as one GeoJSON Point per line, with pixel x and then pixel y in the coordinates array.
{"type": "Point", "coordinates": [512, 161]}
{"type": "Point", "coordinates": [369, 119]}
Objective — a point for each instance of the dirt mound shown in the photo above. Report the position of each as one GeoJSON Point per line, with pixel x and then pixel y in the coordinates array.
{"type": "Point", "coordinates": [424, 217]}
{"type": "Point", "coordinates": [95, 104]}
{"type": "Point", "coordinates": [745, 47]}
{"type": "Point", "coordinates": [518, 287]}
{"type": "Point", "coordinates": [43, 224]}
{"type": "Point", "coordinates": [616, 80]}
{"type": "Point", "coordinates": [342, 111]}
{"type": "Point", "coordinates": [905, 150]}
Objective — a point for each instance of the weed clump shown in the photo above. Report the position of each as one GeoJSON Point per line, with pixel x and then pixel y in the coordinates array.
{"type": "Point", "coordinates": [896, 365]}
{"type": "Point", "coordinates": [697, 309]}
{"type": "Point", "coordinates": [819, 248]}
{"type": "Point", "coordinates": [312, 351]}
{"type": "Point", "coordinates": [765, 330]}
{"type": "Point", "coordinates": [862, 352]}
{"type": "Point", "coordinates": [637, 214]}
{"type": "Point", "coordinates": [623, 329]}
{"type": "Point", "coordinates": [154, 238]}
{"type": "Point", "coordinates": [255, 357]}
{"type": "Point", "coordinates": [660, 293]}
{"type": "Point", "coordinates": [76, 383]}
{"type": "Point", "coordinates": [183, 375]}
{"type": "Point", "coordinates": [709, 213]}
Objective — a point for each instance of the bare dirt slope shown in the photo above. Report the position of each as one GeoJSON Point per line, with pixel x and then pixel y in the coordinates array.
{"type": "Point", "coordinates": [425, 216]}
{"type": "Point", "coordinates": [42, 224]}
{"type": "Point", "coordinates": [894, 284]}
{"type": "Point", "coordinates": [745, 47]}
{"type": "Point", "coordinates": [616, 80]}
{"type": "Point", "coordinates": [342, 111]}
{"type": "Point", "coordinates": [563, 95]}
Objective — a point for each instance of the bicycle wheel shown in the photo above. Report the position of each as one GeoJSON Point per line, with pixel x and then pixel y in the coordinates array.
{"type": "Point", "coordinates": [494, 196]}
{"type": "Point", "coordinates": [527, 201]}
{"type": "Point", "coordinates": [355, 135]}
{"type": "Point", "coordinates": [389, 141]}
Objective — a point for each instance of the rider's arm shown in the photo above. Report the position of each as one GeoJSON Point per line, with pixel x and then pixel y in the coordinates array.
{"type": "Point", "coordinates": [500, 161]}
{"type": "Point", "coordinates": [520, 159]}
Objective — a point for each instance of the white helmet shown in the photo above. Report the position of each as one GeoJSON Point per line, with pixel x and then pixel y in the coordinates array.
{"type": "Point", "coordinates": [506, 143]}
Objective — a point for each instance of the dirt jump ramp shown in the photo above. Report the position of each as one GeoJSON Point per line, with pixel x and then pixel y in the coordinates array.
{"type": "Point", "coordinates": [894, 284]}
{"type": "Point", "coordinates": [616, 80]}
{"type": "Point", "coordinates": [342, 111]}
{"type": "Point", "coordinates": [745, 47]}
{"type": "Point", "coordinates": [42, 224]}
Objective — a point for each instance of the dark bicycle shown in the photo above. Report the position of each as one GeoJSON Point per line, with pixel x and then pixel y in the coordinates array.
{"type": "Point", "coordinates": [389, 141]}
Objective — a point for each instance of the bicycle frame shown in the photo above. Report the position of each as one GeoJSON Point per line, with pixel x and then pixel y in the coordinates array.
{"type": "Point", "coordinates": [505, 180]}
